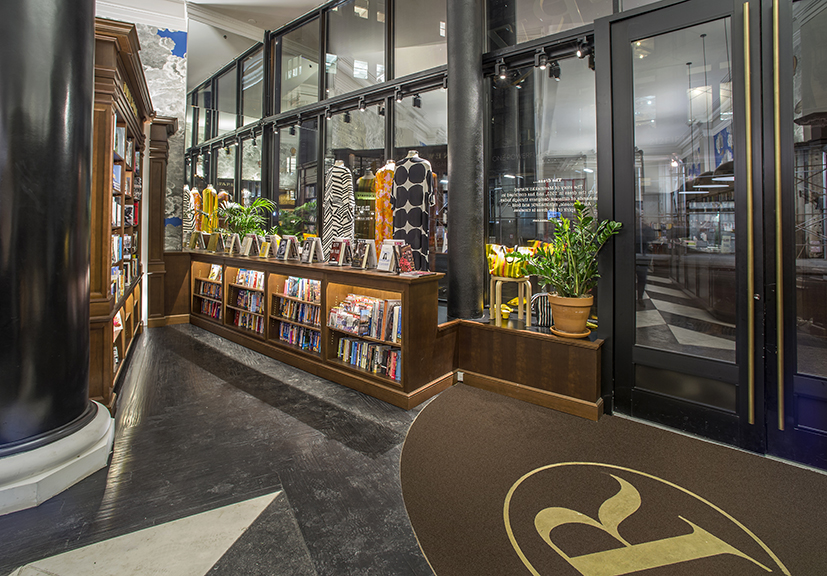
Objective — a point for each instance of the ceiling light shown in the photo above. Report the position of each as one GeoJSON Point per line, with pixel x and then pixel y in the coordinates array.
{"type": "Point", "coordinates": [381, 109]}
{"type": "Point", "coordinates": [554, 70]}
{"type": "Point", "coordinates": [541, 59]}
{"type": "Point", "coordinates": [362, 105]}
{"type": "Point", "coordinates": [399, 95]}
{"type": "Point", "coordinates": [328, 114]}
{"type": "Point", "coordinates": [502, 69]}
{"type": "Point", "coordinates": [417, 101]}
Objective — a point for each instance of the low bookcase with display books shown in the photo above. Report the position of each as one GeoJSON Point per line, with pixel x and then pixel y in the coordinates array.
{"type": "Point", "coordinates": [208, 290]}
{"type": "Point", "coordinates": [296, 312]}
{"type": "Point", "coordinates": [246, 302]}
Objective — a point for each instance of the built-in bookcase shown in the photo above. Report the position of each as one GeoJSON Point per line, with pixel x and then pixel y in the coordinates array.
{"type": "Point", "coordinates": [246, 302]}
{"type": "Point", "coordinates": [121, 110]}
{"type": "Point", "coordinates": [208, 290]}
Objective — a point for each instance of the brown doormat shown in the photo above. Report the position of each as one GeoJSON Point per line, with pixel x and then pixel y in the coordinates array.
{"type": "Point", "coordinates": [495, 486]}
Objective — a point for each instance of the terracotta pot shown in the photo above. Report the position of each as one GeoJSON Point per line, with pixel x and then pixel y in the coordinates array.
{"type": "Point", "coordinates": [570, 315]}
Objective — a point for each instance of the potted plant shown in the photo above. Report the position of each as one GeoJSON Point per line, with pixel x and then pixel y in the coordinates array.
{"type": "Point", "coordinates": [243, 220]}
{"type": "Point", "coordinates": [568, 268]}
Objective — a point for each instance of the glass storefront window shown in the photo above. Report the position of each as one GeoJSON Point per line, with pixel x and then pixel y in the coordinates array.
{"type": "Point", "coordinates": [420, 36]}
{"type": "Point", "coordinates": [298, 188]}
{"type": "Point", "coordinates": [204, 103]}
{"type": "Point", "coordinates": [355, 46]}
{"type": "Point", "coordinates": [358, 140]}
{"type": "Point", "coordinates": [685, 226]}
{"type": "Point", "coordinates": [252, 82]}
{"type": "Point", "coordinates": [810, 88]}
{"type": "Point", "coordinates": [227, 102]}
{"type": "Point", "coordinates": [543, 149]}
{"type": "Point", "coordinates": [250, 171]}
{"type": "Point", "coordinates": [422, 126]}
{"type": "Point", "coordinates": [189, 126]}
{"type": "Point", "coordinates": [300, 66]}
{"type": "Point", "coordinates": [512, 22]}
{"type": "Point", "coordinates": [225, 171]}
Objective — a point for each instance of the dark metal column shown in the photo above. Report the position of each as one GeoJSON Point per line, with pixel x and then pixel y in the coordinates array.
{"type": "Point", "coordinates": [466, 226]}
{"type": "Point", "coordinates": [46, 95]}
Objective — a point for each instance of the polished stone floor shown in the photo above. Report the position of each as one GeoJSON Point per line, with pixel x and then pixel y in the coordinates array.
{"type": "Point", "coordinates": [227, 462]}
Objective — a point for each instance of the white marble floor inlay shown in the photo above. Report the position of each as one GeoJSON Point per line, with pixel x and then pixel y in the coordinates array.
{"type": "Point", "coordinates": [646, 318]}
{"type": "Point", "coordinates": [692, 338]}
{"type": "Point", "coordinates": [185, 547]}
{"type": "Point", "coordinates": [662, 290]}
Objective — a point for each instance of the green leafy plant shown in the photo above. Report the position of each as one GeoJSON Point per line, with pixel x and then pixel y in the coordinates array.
{"type": "Point", "coordinates": [241, 220]}
{"type": "Point", "coordinates": [569, 263]}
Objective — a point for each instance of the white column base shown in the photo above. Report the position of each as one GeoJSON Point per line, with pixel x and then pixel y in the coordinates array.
{"type": "Point", "coordinates": [30, 478]}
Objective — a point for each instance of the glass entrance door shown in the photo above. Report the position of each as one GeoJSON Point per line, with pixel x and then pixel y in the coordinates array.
{"type": "Point", "coordinates": [684, 323]}
{"type": "Point", "coordinates": [796, 161]}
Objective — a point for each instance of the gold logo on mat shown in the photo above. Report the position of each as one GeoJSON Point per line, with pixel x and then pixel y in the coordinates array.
{"type": "Point", "coordinates": [652, 537]}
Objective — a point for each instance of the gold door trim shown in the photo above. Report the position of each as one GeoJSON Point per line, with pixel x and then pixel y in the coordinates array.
{"type": "Point", "coordinates": [779, 255]}
{"type": "Point", "coordinates": [751, 295]}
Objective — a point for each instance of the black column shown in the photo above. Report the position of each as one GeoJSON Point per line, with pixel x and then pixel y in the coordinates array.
{"type": "Point", "coordinates": [466, 226]}
{"type": "Point", "coordinates": [46, 96]}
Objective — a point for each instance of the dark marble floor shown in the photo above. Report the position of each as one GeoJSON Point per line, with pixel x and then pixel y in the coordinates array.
{"type": "Point", "coordinates": [202, 424]}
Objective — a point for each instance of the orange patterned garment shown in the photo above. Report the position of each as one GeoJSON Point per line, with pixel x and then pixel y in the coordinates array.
{"type": "Point", "coordinates": [382, 188]}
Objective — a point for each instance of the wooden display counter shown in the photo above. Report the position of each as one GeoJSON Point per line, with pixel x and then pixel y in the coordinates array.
{"type": "Point", "coordinates": [254, 302]}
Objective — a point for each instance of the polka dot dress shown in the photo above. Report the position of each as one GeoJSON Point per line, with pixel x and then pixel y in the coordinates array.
{"type": "Point", "coordinates": [413, 194]}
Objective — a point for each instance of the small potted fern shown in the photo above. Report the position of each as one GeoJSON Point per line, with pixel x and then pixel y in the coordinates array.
{"type": "Point", "coordinates": [567, 267]}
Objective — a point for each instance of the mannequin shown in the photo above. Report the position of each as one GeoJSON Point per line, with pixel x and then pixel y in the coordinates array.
{"type": "Point", "coordinates": [383, 190]}
{"type": "Point", "coordinates": [339, 205]}
{"type": "Point", "coordinates": [413, 195]}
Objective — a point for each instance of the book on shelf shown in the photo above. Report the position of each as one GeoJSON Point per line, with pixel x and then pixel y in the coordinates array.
{"type": "Point", "coordinates": [288, 248]}
{"type": "Point", "coordinates": [116, 212]}
{"type": "Point", "coordinates": [212, 309]}
{"type": "Point", "coordinates": [117, 324]}
{"type": "Point", "coordinates": [117, 173]}
{"type": "Point", "coordinates": [234, 244]}
{"type": "Point", "coordinates": [216, 243]}
{"type": "Point", "coordinates": [368, 316]}
{"type": "Point", "coordinates": [312, 250]}
{"type": "Point", "coordinates": [389, 256]}
{"type": "Point", "coordinates": [128, 215]}
{"type": "Point", "coordinates": [249, 321]}
{"type": "Point", "coordinates": [300, 336]}
{"type": "Point", "coordinates": [272, 241]}
{"type": "Point", "coordinates": [364, 256]}
{"type": "Point", "coordinates": [300, 312]}
{"type": "Point", "coordinates": [406, 259]}
{"type": "Point", "coordinates": [128, 156]}
{"type": "Point", "coordinates": [265, 250]}
{"type": "Point", "coordinates": [120, 142]}
{"type": "Point", "coordinates": [193, 243]}
{"type": "Point", "coordinates": [215, 272]}
{"type": "Point", "coordinates": [303, 289]}
{"type": "Point", "coordinates": [246, 245]}
{"type": "Point", "coordinates": [375, 358]}
{"type": "Point", "coordinates": [127, 185]}
{"type": "Point", "coordinates": [249, 300]}
{"type": "Point", "coordinates": [340, 252]}
{"type": "Point", "coordinates": [250, 278]}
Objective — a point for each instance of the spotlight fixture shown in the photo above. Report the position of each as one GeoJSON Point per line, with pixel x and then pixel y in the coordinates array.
{"type": "Point", "coordinates": [227, 150]}
{"type": "Point", "coordinates": [417, 101]}
{"type": "Point", "coordinates": [502, 69]}
{"type": "Point", "coordinates": [327, 114]}
{"type": "Point", "coordinates": [254, 141]}
{"type": "Point", "coordinates": [362, 105]}
{"type": "Point", "coordinates": [275, 129]}
{"type": "Point", "coordinates": [554, 70]}
{"type": "Point", "coordinates": [399, 95]}
{"type": "Point", "coordinates": [582, 48]}
{"type": "Point", "coordinates": [591, 61]}
{"type": "Point", "coordinates": [381, 109]}
{"type": "Point", "coordinates": [292, 130]}
{"type": "Point", "coordinates": [541, 59]}
{"type": "Point", "coordinates": [445, 82]}
{"type": "Point", "coordinates": [347, 117]}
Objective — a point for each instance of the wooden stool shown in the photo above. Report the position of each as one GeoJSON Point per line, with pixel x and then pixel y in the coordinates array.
{"type": "Point", "coordinates": [523, 298]}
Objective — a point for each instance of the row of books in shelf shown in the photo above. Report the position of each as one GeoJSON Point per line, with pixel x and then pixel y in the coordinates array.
{"type": "Point", "coordinates": [210, 290]}
{"type": "Point", "coordinates": [252, 301]}
{"type": "Point", "coordinates": [122, 246]}
{"type": "Point", "coordinates": [216, 273]}
{"type": "Point", "coordinates": [249, 321]}
{"type": "Point", "coordinates": [211, 309]}
{"type": "Point", "coordinates": [304, 338]}
{"type": "Point", "coordinates": [303, 289]}
{"type": "Point", "coordinates": [376, 358]}
{"type": "Point", "coordinates": [117, 280]}
{"type": "Point", "coordinates": [368, 316]}
{"type": "Point", "coordinates": [250, 278]}
{"type": "Point", "coordinates": [310, 314]}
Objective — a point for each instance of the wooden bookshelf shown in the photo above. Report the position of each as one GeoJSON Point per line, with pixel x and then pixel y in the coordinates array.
{"type": "Point", "coordinates": [122, 108]}
{"type": "Point", "coordinates": [421, 376]}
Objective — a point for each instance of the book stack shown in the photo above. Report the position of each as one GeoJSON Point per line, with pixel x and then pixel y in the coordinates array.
{"type": "Point", "coordinates": [298, 312]}
{"type": "Point", "coordinates": [304, 338]}
{"type": "Point", "coordinates": [249, 321]}
{"type": "Point", "coordinates": [251, 301]}
{"type": "Point", "coordinates": [303, 289]}
{"type": "Point", "coordinates": [367, 316]}
{"type": "Point", "coordinates": [250, 279]}
{"type": "Point", "coordinates": [376, 358]}
{"type": "Point", "coordinates": [210, 290]}
{"type": "Point", "coordinates": [212, 309]}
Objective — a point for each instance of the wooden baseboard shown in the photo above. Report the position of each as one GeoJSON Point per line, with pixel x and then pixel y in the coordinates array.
{"type": "Point", "coordinates": [573, 406]}
{"type": "Point", "coordinates": [168, 320]}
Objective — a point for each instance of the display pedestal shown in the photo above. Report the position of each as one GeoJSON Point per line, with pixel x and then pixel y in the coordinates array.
{"type": "Point", "coordinates": [30, 478]}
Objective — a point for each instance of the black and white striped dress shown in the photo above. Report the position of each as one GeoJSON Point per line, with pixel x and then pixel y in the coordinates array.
{"type": "Point", "coordinates": [413, 195]}
{"type": "Point", "coordinates": [338, 207]}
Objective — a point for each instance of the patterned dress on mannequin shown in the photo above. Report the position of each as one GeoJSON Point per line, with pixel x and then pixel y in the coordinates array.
{"type": "Point", "coordinates": [413, 195]}
{"type": "Point", "coordinates": [383, 190]}
{"type": "Point", "coordinates": [338, 207]}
